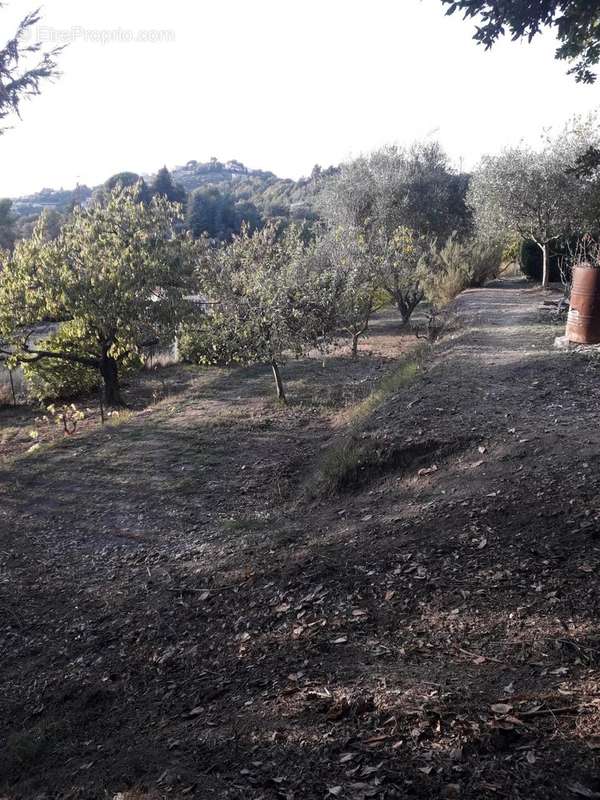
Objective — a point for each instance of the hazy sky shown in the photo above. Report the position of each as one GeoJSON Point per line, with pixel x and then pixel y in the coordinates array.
{"type": "Point", "coordinates": [277, 84]}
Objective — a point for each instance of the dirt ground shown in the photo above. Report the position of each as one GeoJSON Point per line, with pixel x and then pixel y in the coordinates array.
{"type": "Point", "coordinates": [387, 589]}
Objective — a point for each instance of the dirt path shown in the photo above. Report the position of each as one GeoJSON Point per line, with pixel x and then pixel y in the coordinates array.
{"type": "Point", "coordinates": [184, 614]}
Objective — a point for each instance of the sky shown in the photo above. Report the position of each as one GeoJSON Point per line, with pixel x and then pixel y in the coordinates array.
{"type": "Point", "coordinates": [278, 84]}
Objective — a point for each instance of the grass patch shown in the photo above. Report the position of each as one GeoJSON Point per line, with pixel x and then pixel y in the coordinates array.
{"type": "Point", "coordinates": [356, 463]}
{"type": "Point", "coordinates": [245, 524]}
{"type": "Point", "coordinates": [343, 464]}
{"type": "Point", "coordinates": [391, 383]}
{"type": "Point", "coordinates": [357, 457]}
{"type": "Point", "coordinates": [120, 417]}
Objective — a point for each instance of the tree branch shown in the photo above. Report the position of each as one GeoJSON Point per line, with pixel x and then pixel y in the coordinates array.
{"type": "Point", "coordinates": [38, 355]}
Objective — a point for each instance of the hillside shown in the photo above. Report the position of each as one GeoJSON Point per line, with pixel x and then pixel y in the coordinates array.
{"type": "Point", "coordinates": [56, 199]}
{"type": "Point", "coordinates": [353, 596]}
{"type": "Point", "coordinates": [272, 196]}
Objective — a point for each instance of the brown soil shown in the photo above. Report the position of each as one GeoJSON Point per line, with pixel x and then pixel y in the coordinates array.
{"type": "Point", "coordinates": [186, 613]}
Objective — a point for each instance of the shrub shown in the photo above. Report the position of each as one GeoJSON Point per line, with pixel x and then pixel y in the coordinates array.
{"type": "Point", "coordinates": [51, 379]}
{"type": "Point", "coordinates": [460, 265]}
{"type": "Point", "coordinates": [447, 285]}
{"type": "Point", "coordinates": [54, 379]}
{"type": "Point", "coordinates": [210, 342]}
{"type": "Point", "coordinates": [484, 261]}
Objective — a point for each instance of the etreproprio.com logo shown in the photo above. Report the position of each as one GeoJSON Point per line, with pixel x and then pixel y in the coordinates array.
{"type": "Point", "coordinates": [104, 36]}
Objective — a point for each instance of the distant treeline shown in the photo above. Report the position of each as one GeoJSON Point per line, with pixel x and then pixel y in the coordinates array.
{"type": "Point", "coordinates": [218, 197]}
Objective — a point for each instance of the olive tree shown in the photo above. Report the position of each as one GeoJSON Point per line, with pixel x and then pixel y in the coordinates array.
{"type": "Point", "coordinates": [346, 257]}
{"type": "Point", "coordinates": [400, 262]}
{"type": "Point", "coordinates": [413, 187]}
{"type": "Point", "coordinates": [120, 273]}
{"type": "Point", "coordinates": [393, 201]}
{"type": "Point", "coordinates": [536, 194]}
{"type": "Point", "coordinates": [269, 299]}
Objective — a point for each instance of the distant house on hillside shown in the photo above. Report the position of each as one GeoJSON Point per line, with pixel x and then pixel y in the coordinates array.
{"type": "Point", "coordinates": [236, 166]}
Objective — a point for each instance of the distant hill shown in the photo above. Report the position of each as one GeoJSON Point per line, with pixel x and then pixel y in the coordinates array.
{"type": "Point", "coordinates": [195, 173]}
{"type": "Point", "coordinates": [58, 199]}
{"type": "Point", "coordinates": [272, 196]}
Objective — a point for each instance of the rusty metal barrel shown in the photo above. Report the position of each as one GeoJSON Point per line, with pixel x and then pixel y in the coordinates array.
{"type": "Point", "coordinates": [583, 321]}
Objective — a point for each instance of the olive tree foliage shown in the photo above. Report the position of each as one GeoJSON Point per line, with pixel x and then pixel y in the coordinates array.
{"type": "Point", "coordinates": [536, 194]}
{"type": "Point", "coordinates": [576, 24]}
{"type": "Point", "coordinates": [342, 254]}
{"type": "Point", "coordinates": [24, 66]}
{"type": "Point", "coordinates": [401, 266]}
{"type": "Point", "coordinates": [394, 200]}
{"type": "Point", "coordinates": [414, 187]}
{"type": "Point", "coordinates": [587, 170]}
{"type": "Point", "coordinates": [270, 299]}
{"type": "Point", "coordinates": [118, 273]}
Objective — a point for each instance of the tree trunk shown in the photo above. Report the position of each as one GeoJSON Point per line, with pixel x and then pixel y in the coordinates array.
{"type": "Point", "coordinates": [545, 264]}
{"type": "Point", "coordinates": [405, 311]}
{"type": "Point", "coordinates": [355, 337]}
{"type": "Point", "coordinates": [401, 310]}
{"type": "Point", "coordinates": [12, 388]}
{"type": "Point", "coordinates": [110, 376]}
{"type": "Point", "coordinates": [407, 303]}
{"type": "Point", "coordinates": [278, 382]}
